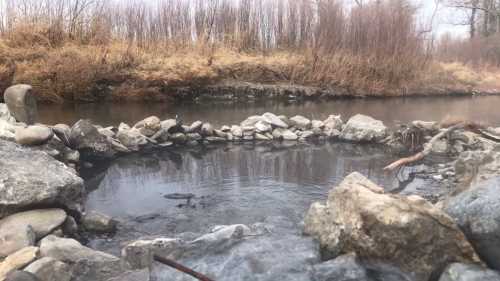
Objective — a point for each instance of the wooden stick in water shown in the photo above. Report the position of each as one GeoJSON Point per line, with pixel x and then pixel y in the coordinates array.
{"type": "Point", "coordinates": [181, 268]}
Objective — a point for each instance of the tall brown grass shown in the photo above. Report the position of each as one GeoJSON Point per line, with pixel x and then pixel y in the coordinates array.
{"type": "Point", "coordinates": [70, 49]}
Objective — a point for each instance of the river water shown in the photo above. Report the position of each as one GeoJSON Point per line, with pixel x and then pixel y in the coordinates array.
{"type": "Point", "coordinates": [245, 184]}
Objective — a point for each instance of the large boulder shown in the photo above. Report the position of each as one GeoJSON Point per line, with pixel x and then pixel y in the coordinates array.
{"type": "Point", "coordinates": [406, 232]}
{"type": "Point", "coordinates": [149, 126]}
{"type": "Point", "coordinates": [86, 264]}
{"type": "Point", "coordinates": [32, 225]}
{"type": "Point", "coordinates": [274, 120]}
{"type": "Point", "coordinates": [22, 103]}
{"type": "Point", "coordinates": [30, 179]}
{"type": "Point", "coordinates": [477, 212]}
{"type": "Point", "coordinates": [33, 135]}
{"type": "Point", "coordinates": [91, 144]}
{"type": "Point", "coordinates": [362, 128]}
{"type": "Point", "coordinates": [468, 272]}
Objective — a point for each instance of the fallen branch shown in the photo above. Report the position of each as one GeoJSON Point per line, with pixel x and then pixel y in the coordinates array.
{"type": "Point", "coordinates": [427, 149]}
{"type": "Point", "coordinates": [181, 268]}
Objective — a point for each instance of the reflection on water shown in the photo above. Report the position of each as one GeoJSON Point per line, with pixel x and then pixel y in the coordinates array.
{"type": "Point", "coordinates": [389, 110]}
{"type": "Point", "coordinates": [231, 184]}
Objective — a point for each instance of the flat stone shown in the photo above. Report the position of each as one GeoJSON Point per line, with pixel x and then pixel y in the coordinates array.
{"type": "Point", "coordinates": [16, 238]}
{"type": "Point", "coordinates": [362, 128]}
{"type": "Point", "coordinates": [263, 127]}
{"type": "Point", "coordinates": [49, 269]}
{"type": "Point", "coordinates": [250, 121]}
{"type": "Point", "coordinates": [18, 260]}
{"type": "Point", "coordinates": [288, 135]}
{"type": "Point", "coordinates": [33, 135]}
{"type": "Point", "coordinates": [468, 272]}
{"type": "Point", "coordinates": [19, 275]}
{"type": "Point", "coordinates": [274, 120]}
{"type": "Point", "coordinates": [317, 124]}
{"type": "Point", "coordinates": [149, 126]}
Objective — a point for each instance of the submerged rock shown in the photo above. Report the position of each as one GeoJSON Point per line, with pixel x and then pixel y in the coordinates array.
{"type": "Point", "coordinates": [468, 272]}
{"type": "Point", "coordinates": [22, 103]}
{"type": "Point", "coordinates": [362, 128]}
{"type": "Point", "coordinates": [406, 232]}
{"type": "Point", "coordinates": [477, 212]}
{"type": "Point", "coordinates": [33, 135]}
{"type": "Point", "coordinates": [97, 222]}
{"type": "Point", "coordinates": [35, 179]}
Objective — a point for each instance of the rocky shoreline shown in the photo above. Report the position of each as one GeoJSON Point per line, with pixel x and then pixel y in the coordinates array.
{"type": "Point", "coordinates": [360, 229]}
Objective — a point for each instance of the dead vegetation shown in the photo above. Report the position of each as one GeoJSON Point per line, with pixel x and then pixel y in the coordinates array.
{"type": "Point", "coordinates": [79, 50]}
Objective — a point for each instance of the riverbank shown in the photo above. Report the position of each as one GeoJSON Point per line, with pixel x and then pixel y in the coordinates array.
{"type": "Point", "coordinates": [86, 73]}
{"type": "Point", "coordinates": [41, 229]}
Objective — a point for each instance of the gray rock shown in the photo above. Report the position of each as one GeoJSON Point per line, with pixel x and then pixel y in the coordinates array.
{"type": "Point", "coordinates": [306, 135]}
{"type": "Point", "coordinates": [62, 131]}
{"type": "Point", "coordinates": [406, 232]}
{"type": "Point", "coordinates": [334, 122]}
{"type": "Point", "coordinates": [86, 264]}
{"type": "Point", "coordinates": [207, 130]}
{"type": "Point", "coordinates": [20, 275]}
{"type": "Point", "coordinates": [261, 137]}
{"type": "Point", "coordinates": [468, 272]}
{"type": "Point", "coordinates": [5, 114]}
{"type": "Point", "coordinates": [92, 145]}
{"type": "Point", "coordinates": [250, 121]}
{"type": "Point", "coordinates": [22, 103]}
{"type": "Point", "coordinates": [35, 179]}
{"type": "Point", "coordinates": [168, 124]}
{"type": "Point", "coordinates": [70, 227]}
{"type": "Point", "coordinates": [477, 212]}
{"type": "Point", "coordinates": [288, 135]}
{"type": "Point", "coordinates": [18, 260]}
{"type": "Point", "coordinates": [37, 222]}
{"type": "Point", "coordinates": [274, 120]}
{"type": "Point", "coordinates": [33, 135]}
{"type": "Point", "coordinates": [49, 269]}
{"type": "Point", "coordinates": [193, 137]}
{"type": "Point", "coordinates": [108, 132]}
{"type": "Point", "coordinates": [225, 129]}
{"type": "Point", "coordinates": [317, 124]}
{"type": "Point", "coordinates": [440, 147]}
{"type": "Point", "coordinates": [362, 128]}
{"type": "Point", "coordinates": [300, 122]}
{"type": "Point", "coordinates": [195, 127]}
{"type": "Point", "coordinates": [16, 238]}
{"type": "Point", "coordinates": [263, 127]}
{"type": "Point", "coordinates": [132, 139]}
{"type": "Point", "coordinates": [7, 131]}
{"type": "Point", "coordinates": [133, 275]}
{"type": "Point", "coordinates": [178, 138]}
{"type": "Point", "coordinates": [99, 223]}
{"type": "Point", "coordinates": [342, 268]}
{"type": "Point", "coordinates": [149, 126]}
{"type": "Point", "coordinates": [220, 134]}
{"type": "Point", "coordinates": [236, 131]}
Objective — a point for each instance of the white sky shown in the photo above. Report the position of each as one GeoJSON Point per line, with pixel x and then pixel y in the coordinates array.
{"type": "Point", "coordinates": [445, 20]}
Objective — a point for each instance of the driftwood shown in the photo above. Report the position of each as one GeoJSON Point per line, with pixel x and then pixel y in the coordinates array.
{"type": "Point", "coordinates": [427, 148]}
{"type": "Point", "coordinates": [181, 268]}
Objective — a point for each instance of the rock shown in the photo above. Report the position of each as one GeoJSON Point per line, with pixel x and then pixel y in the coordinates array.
{"type": "Point", "coordinates": [406, 232]}
{"type": "Point", "coordinates": [426, 126]}
{"type": "Point", "coordinates": [195, 127]}
{"type": "Point", "coordinates": [97, 222]}
{"type": "Point", "coordinates": [362, 128]}
{"type": "Point", "coordinates": [33, 135]}
{"type": "Point", "coordinates": [92, 145]}
{"type": "Point", "coordinates": [5, 114]}
{"type": "Point", "coordinates": [440, 147]}
{"type": "Point", "coordinates": [22, 103]}
{"type": "Point", "coordinates": [62, 131]}
{"type": "Point", "coordinates": [108, 132]}
{"type": "Point", "coordinates": [288, 135]}
{"type": "Point", "coordinates": [149, 126]}
{"type": "Point", "coordinates": [70, 227]}
{"type": "Point", "coordinates": [261, 137]}
{"type": "Point", "coordinates": [477, 212]}
{"type": "Point", "coordinates": [86, 264]}
{"type": "Point", "coordinates": [300, 122]}
{"type": "Point", "coordinates": [193, 137]}
{"type": "Point", "coordinates": [207, 130]}
{"type": "Point", "coordinates": [274, 120]}
{"type": "Point", "coordinates": [168, 124]}
{"type": "Point", "coordinates": [220, 134]}
{"type": "Point", "coordinates": [132, 139]}
{"type": "Point", "coordinates": [468, 272]}
{"type": "Point", "coordinates": [19, 275]}
{"type": "Point", "coordinates": [475, 165]}
{"type": "Point", "coordinates": [133, 275]}
{"type": "Point", "coordinates": [343, 268]}
{"type": "Point", "coordinates": [49, 269]}
{"type": "Point", "coordinates": [123, 127]}
{"type": "Point", "coordinates": [263, 127]}
{"type": "Point", "coordinates": [225, 129]}
{"type": "Point", "coordinates": [306, 135]}
{"type": "Point", "coordinates": [178, 138]}
{"type": "Point", "coordinates": [7, 131]}
{"type": "Point", "coordinates": [317, 124]}
{"type": "Point", "coordinates": [236, 131]}
{"type": "Point", "coordinates": [35, 179]}
{"type": "Point", "coordinates": [334, 122]}
{"type": "Point", "coordinates": [16, 238]}
{"type": "Point", "coordinates": [18, 260]}
{"type": "Point", "coordinates": [38, 223]}
{"type": "Point", "coordinates": [252, 120]}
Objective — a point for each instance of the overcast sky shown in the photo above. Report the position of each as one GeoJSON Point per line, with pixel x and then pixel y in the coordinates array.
{"type": "Point", "coordinates": [445, 19]}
